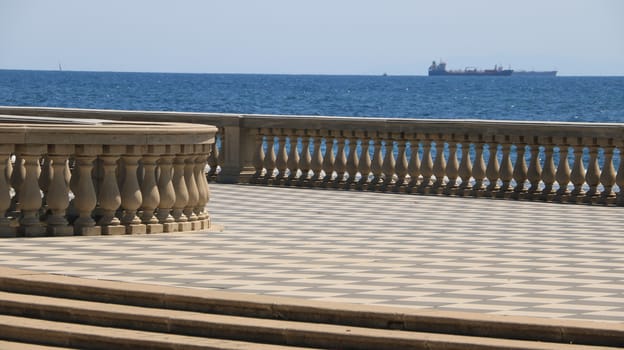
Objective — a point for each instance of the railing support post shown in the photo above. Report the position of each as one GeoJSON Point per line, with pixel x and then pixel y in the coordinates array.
{"type": "Point", "coordinates": [238, 162]}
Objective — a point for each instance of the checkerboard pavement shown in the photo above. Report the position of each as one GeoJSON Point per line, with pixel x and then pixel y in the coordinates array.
{"type": "Point", "coordinates": [463, 254]}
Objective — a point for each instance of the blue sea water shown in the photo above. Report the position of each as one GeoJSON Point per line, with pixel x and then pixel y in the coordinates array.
{"type": "Point", "coordinates": [587, 99]}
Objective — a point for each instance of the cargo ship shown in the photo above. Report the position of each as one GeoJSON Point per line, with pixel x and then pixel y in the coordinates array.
{"type": "Point", "coordinates": [440, 69]}
{"type": "Point", "coordinates": [530, 73]}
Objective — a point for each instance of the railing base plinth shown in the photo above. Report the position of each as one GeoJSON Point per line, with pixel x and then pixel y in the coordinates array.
{"type": "Point", "coordinates": [136, 229]}
{"type": "Point", "coordinates": [32, 231]}
{"type": "Point", "coordinates": [235, 175]}
{"type": "Point", "coordinates": [452, 191]}
{"type": "Point", "coordinates": [184, 226]}
{"type": "Point", "coordinates": [7, 230]}
{"type": "Point", "coordinates": [195, 225]}
{"type": "Point", "coordinates": [502, 194]}
{"type": "Point", "coordinates": [154, 228]}
{"type": "Point", "coordinates": [114, 230]}
{"type": "Point", "coordinates": [88, 231]}
{"type": "Point", "coordinates": [170, 227]}
{"type": "Point", "coordinates": [59, 231]}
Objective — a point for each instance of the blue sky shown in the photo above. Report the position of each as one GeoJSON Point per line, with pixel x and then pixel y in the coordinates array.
{"type": "Point", "coordinates": [312, 37]}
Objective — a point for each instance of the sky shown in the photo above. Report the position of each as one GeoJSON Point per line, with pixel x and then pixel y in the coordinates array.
{"type": "Point", "coordinates": [397, 37]}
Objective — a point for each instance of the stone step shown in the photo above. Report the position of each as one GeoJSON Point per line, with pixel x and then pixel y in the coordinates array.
{"type": "Point", "coordinates": [10, 345]}
{"type": "Point", "coordinates": [105, 338]}
{"type": "Point", "coordinates": [105, 320]}
{"type": "Point", "coordinates": [280, 308]}
{"type": "Point", "coordinates": [116, 326]}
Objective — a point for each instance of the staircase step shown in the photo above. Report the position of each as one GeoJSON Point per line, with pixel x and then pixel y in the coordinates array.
{"type": "Point", "coordinates": [9, 345]}
{"type": "Point", "coordinates": [280, 308]}
{"type": "Point", "coordinates": [194, 324]}
{"type": "Point", "coordinates": [105, 338]}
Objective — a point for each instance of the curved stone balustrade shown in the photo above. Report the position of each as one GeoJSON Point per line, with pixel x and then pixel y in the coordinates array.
{"type": "Point", "coordinates": [547, 161]}
{"type": "Point", "coordinates": [66, 177]}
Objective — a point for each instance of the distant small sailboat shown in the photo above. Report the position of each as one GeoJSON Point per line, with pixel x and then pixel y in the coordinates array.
{"type": "Point", "coordinates": [60, 67]}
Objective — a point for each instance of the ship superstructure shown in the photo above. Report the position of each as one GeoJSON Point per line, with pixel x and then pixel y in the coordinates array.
{"type": "Point", "coordinates": [440, 69]}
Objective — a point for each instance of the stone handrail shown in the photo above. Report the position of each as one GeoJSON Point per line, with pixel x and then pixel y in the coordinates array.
{"type": "Point", "coordinates": [547, 161]}
{"type": "Point", "coordinates": [65, 177]}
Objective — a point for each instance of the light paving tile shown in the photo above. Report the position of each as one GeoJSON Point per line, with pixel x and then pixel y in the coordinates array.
{"type": "Point", "coordinates": [529, 313]}
{"type": "Point", "coordinates": [579, 308]}
{"type": "Point", "coordinates": [531, 300]}
{"type": "Point", "coordinates": [438, 300]}
{"type": "Point", "coordinates": [478, 307]}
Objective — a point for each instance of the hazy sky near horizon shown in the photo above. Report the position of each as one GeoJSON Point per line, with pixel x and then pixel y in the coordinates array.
{"type": "Point", "coordinates": [577, 37]}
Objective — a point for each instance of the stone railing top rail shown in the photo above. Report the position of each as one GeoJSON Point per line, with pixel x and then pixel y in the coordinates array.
{"type": "Point", "coordinates": [46, 131]}
{"type": "Point", "coordinates": [486, 128]}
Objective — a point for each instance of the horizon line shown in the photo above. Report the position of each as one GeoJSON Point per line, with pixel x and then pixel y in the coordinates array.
{"type": "Point", "coordinates": [382, 74]}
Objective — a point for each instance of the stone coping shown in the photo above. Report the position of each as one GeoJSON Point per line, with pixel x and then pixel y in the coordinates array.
{"type": "Point", "coordinates": [34, 131]}
{"type": "Point", "coordinates": [488, 128]}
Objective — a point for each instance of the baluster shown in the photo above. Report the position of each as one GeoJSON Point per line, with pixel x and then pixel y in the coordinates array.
{"type": "Point", "coordinates": [293, 159]}
{"type": "Point", "coordinates": [165, 188]}
{"type": "Point", "coordinates": [548, 173]}
{"type": "Point", "coordinates": [593, 173]}
{"type": "Point", "coordinates": [281, 162]}
{"type": "Point", "coordinates": [577, 177]}
{"type": "Point", "coordinates": [213, 159]}
{"type": "Point", "coordinates": [534, 173]}
{"type": "Point", "coordinates": [353, 161]}
{"type": "Point", "coordinates": [364, 165]}
{"type": "Point", "coordinates": [619, 178]}
{"type": "Point", "coordinates": [85, 197]}
{"type": "Point", "coordinates": [258, 160]}
{"type": "Point", "coordinates": [305, 161]}
{"type": "Point", "coordinates": [607, 177]}
{"type": "Point", "coordinates": [317, 159]}
{"type": "Point", "coordinates": [149, 189]}
{"type": "Point", "coordinates": [109, 198]}
{"type": "Point", "coordinates": [506, 170]}
{"type": "Point", "coordinates": [270, 159]}
{"type": "Point", "coordinates": [45, 178]}
{"type": "Point", "coordinates": [17, 179]}
{"type": "Point", "coordinates": [562, 176]}
{"type": "Point", "coordinates": [439, 166]}
{"type": "Point", "coordinates": [520, 171]}
{"type": "Point", "coordinates": [413, 166]}
{"type": "Point", "coordinates": [191, 184]}
{"type": "Point", "coordinates": [221, 152]}
{"type": "Point", "coordinates": [478, 170]}
{"type": "Point", "coordinates": [492, 172]}
{"type": "Point", "coordinates": [203, 192]}
{"type": "Point", "coordinates": [452, 169]}
{"type": "Point", "coordinates": [465, 168]}
{"type": "Point", "coordinates": [181, 190]}
{"type": "Point", "coordinates": [340, 163]}
{"type": "Point", "coordinates": [131, 197]}
{"type": "Point", "coordinates": [401, 161]}
{"type": "Point", "coordinates": [389, 163]}
{"type": "Point", "coordinates": [377, 162]}
{"type": "Point", "coordinates": [6, 229]}
{"type": "Point", "coordinates": [426, 167]}
{"type": "Point", "coordinates": [329, 159]}
{"type": "Point", "coordinates": [58, 191]}
{"type": "Point", "coordinates": [30, 195]}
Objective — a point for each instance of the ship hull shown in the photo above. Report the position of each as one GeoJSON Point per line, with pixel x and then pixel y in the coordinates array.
{"type": "Point", "coordinates": [497, 73]}
{"type": "Point", "coordinates": [536, 73]}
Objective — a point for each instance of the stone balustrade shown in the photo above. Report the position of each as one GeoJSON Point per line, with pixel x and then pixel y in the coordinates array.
{"type": "Point", "coordinates": [545, 161]}
{"type": "Point", "coordinates": [69, 177]}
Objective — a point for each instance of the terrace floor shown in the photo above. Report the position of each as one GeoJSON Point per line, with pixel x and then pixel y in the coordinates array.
{"type": "Point", "coordinates": [457, 254]}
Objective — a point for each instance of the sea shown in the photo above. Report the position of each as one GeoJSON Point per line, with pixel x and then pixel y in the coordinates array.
{"type": "Point", "coordinates": [562, 98]}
